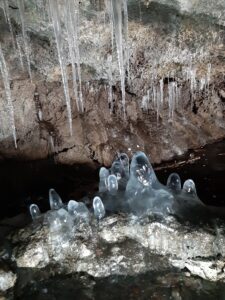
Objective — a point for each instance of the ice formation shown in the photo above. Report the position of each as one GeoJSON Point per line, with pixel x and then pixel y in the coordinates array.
{"type": "Point", "coordinates": [54, 200]}
{"type": "Point", "coordinates": [63, 15]}
{"type": "Point", "coordinates": [99, 209]}
{"type": "Point", "coordinates": [6, 82]}
{"type": "Point", "coordinates": [130, 188]}
{"type": "Point", "coordinates": [34, 212]}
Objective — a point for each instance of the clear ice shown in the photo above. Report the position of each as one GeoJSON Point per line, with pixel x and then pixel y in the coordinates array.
{"type": "Point", "coordinates": [35, 212]}
{"type": "Point", "coordinates": [174, 182]}
{"type": "Point", "coordinates": [6, 82]}
{"type": "Point", "coordinates": [112, 184]}
{"type": "Point", "coordinates": [119, 17]}
{"type": "Point", "coordinates": [54, 9]}
{"type": "Point", "coordinates": [99, 209]}
{"type": "Point", "coordinates": [78, 210]}
{"type": "Point", "coordinates": [24, 33]}
{"type": "Point", "coordinates": [55, 200]}
{"type": "Point", "coordinates": [103, 177]}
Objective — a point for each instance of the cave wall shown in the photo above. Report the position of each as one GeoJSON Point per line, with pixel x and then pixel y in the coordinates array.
{"type": "Point", "coordinates": [180, 42]}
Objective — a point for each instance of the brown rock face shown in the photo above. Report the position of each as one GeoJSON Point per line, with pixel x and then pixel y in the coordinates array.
{"type": "Point", "coordinates": [173, 50]}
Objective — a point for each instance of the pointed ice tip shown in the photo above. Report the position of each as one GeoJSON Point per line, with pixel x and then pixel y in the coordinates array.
{"type": "Point", "coordinates": [55, 200]}
{"type": "Point", "coordinates": [72, 207]}
{"type": "Point", "coordinates": [174, 182]}
{"type": "Point", "coordinates": [112, 184]}
{"type": "Point", "coordinates": [34, 211]}
{"type": "Point", "coordinates": [189, 187]}
{"type": "Point", "coordinates": [103, 173]}
{"type": "Point", "coordinates": [99, 209]}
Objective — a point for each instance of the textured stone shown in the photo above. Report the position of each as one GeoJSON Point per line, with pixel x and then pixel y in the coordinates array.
{"type": "Point", "coordinates": [169, 35]}
{"type": "Point", "coordinates": [123, 245]}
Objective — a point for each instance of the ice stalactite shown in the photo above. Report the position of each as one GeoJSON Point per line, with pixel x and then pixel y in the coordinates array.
{"type": "Point", "coordinates": [110, 80]}
{"type": "Point", "coordinates": [24, 33]}
{"type": "Point", "coordinates": [161, 82]}
{"type": "Point", "coordinates": [54, 9]}
{"type": "Point", "coordinates": [19, 51]}
{"type": "Point", "coordinates": [72, 27]}
{"type": "Point", "coordinates": [6, 82]}
{"type": "Point", "coordinates": [119, 16]}
{"type": "Point", "coordinates": [8, 20]}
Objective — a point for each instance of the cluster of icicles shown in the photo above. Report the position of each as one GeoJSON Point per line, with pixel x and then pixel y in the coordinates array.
{"type": "Point", "coordinates": [131, 188]}
{"type": "Point", "coordinates": [64, 16]}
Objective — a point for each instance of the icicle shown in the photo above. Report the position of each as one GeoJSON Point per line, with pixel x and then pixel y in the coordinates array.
{"type": "Point", "coordinates": [72, 26]}
{"type": "Point", "coordinates": [209, 67]}
{"type": "Point", "coordinates": [126, 39]}
{"type": "Point", "coordinates": [161, 90]}
{"type": "Point", "coordinates": [6, 12]}
{"type": "Point", "coordinates": [6, 82]}
{"type": "Point", "coordinates": [2, 6]}
{"type": "Point", "coordinates": [19, 52]}
{"type": "Point", "coordinates": [26, 47]}
{"type": "Point", "coordinates": [117, 7]}
{"type": "Point", "coordinates": [109, 8]}
{"type": "Point", "coordinates": [110, 92]}
{"type": "Point", "coordinates": [171, 98]}
{"type": "Point", "coordinates": [54, 11]}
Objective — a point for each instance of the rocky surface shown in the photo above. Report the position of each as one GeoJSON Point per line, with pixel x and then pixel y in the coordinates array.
{"type": "Point", "coordinates": [119, 245]}
{"type": "Point", "coordinates": [164, 39]}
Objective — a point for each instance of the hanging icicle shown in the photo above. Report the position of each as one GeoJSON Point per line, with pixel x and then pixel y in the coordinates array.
{"type": "Point", "coordinates": [119, 16]}
{"type": "Point", "coordinates": [6, 82]}
{"type": "Point", "coordinates": [55, 17]}
{"type": "Point", "coordinates": [72, 27]}
{"type": "Point", "coordinates": [24, 33]}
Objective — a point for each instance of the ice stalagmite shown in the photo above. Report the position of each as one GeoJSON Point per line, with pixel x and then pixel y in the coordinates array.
{"type": "Point", "coordinates": [24, 33]}
{"type": "Point", "coordinates": [174, 182]}
{"type": "Point", "coordinates": [6, 82]}
{"type": "Point", "coordinates": [35, 212]}
{"type": "Point", "coordinates": [55, 200]}
{"type": "Point", "coordinates": [55, 16]}
{"type": "Point", "coordinates": [99, 209]}
{"type": "Point", "coordinates": [118, 21]}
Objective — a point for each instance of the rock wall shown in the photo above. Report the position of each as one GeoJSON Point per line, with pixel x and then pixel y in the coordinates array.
{"type": "Point", "coordinates": [180, 44]}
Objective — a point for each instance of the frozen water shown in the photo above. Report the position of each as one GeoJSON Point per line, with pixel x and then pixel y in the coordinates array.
{"type": "Point", "coordinates": [174, 182]}
{"type": "Point", "coordinates": [118, 21]}
{"type": "Point", "coordinates": [24, 33]}
{"type": "Point", "coordinates": [6, 82]}
{"type": "Point", "coordinates": [79, 210]}
{"type": "Point", "coordinates": [72, 208]}
{"type": "Point", "coordinates": [112, 184]}
{"type": "Point", "coordinates": [99, 209]}
{"type": "Point", "coordinates": [103, 177]}
{"type": "Point", "coordinates": [35, 212]}
{"type": "Point", "coordinates": [55, 200]}
{"type": "Point", "coordinates": [140, 194]}
{"type": "Point", "coordinates": [56, 21]}
{"type": "Point", "coordinates": [60, 227]}
{"type": "Point", "coordinates": [189, 188]}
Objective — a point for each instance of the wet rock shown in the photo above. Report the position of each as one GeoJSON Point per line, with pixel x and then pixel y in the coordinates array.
{"type": "Point", "coordinates": [122, 245]}
{"type": "Point", "coordinates": [7, 280]}
{"type": "Point", "coordinates": [166, 39]}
